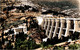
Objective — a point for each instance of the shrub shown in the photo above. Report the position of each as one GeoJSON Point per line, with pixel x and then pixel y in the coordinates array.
{"type": "Point", "coordinates": [25, 44]}
{"type": "Point", "coordinates": [75, 46]}
{"type": "Point", "coordinates": [58, 48]}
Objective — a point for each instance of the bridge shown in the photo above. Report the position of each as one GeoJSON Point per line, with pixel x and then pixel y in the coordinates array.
{"type": "Point", "coordinates": [60, 26]}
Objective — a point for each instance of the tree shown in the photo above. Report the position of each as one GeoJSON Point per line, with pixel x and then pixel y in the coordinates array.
{"type": "Point", "coordinates": [25, 44]}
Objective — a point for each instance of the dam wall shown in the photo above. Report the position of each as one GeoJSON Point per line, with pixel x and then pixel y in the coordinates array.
{"type": "Point", "coordinates": [60, 26]}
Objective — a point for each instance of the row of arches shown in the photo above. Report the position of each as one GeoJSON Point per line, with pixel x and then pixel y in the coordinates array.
{"type": "Point", "coordinates": [59, 27]}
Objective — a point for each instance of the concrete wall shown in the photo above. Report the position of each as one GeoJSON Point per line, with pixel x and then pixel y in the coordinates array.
{"type": "Point", "coordinates": [60, 26]}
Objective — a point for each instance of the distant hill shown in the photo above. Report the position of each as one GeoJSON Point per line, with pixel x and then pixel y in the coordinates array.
{"type": "Point", "coordinates": [73, 1]}
{"type": "Point", "coordinates": [57, 3]}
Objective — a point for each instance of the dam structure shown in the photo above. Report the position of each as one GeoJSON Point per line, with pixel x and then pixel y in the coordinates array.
{"type": "Point", "coordinates": [60, 27]}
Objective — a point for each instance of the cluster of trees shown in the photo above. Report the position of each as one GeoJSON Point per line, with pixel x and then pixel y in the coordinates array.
{"type": "Point", "coordinates": [61, 4]}
{"type": "Point", "coordinates": [23, 43]}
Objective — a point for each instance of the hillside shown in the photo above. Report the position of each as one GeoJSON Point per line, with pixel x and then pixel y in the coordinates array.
{"type": "Point", "coordinates": [73, 1]}
{"type": "Point", "coordinates": [62, 4]}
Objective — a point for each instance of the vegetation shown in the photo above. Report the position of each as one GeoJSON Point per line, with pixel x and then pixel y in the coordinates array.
{"type": "Point", "coordinates": [75, 36]}
{"type": "Point", "coordinates": [74, 46]}
{"type": "Point", "coordinates": [22, 43]}
{"type": "Point", "coordinates": [9, 46]}
{"type": "Point", "coordinates": [0, 44]}
{"type": "Point", "coordinates": [59, 48]}
{"type": "Point", "coordinates": [46, 45]}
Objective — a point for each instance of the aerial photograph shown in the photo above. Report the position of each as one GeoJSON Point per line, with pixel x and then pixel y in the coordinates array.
{"type": "Point", "coordinates": [39, 24]}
